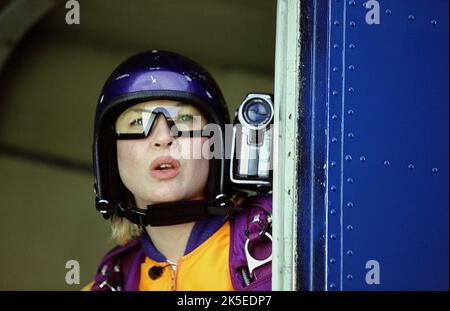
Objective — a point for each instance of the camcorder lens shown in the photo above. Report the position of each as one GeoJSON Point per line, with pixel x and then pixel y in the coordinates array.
{"type": "Point", "coordinates": [257, 112]}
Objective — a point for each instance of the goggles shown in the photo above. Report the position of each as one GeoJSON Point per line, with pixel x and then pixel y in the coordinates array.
{"type": "Point", "coordinates": [137, 122]}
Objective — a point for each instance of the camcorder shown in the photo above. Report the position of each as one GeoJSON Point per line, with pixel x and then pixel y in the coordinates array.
{"type": "Point", "coordinates": [252, 143]}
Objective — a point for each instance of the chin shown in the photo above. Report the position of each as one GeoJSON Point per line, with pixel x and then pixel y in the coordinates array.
{"type": "Point", "coordinates": [166, 194]}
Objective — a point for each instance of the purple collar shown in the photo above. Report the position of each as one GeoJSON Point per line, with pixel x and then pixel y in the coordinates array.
{"type": "Point", "coordinates": [201, 231]}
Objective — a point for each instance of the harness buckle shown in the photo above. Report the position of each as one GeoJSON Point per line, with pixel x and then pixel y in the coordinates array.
{"type": "Point", "coordinates": [252, 262]}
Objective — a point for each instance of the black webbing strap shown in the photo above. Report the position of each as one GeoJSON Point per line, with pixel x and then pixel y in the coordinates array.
{"type": "Point", "coordinates": [173, 213]}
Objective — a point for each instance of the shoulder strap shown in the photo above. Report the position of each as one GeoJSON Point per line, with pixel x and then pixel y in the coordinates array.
{"type": "Point", "coordinates": [251, 245]}
{"type": "Point", "coordinates": [119, 269]}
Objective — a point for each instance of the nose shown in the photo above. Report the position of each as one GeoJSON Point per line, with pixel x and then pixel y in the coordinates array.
{"type": "Point", "coordinates": [160, 134]}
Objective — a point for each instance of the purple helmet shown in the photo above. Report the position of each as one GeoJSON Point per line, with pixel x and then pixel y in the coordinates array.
{"type": "Point", "coordinates": [149, 76]}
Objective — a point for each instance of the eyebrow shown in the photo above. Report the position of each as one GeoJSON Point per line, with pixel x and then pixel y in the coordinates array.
{"type": "Point", "coordinates": [178, 104]}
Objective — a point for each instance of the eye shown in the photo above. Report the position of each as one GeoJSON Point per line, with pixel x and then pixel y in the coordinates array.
{"type": "Point", "coordinates": [186, 118]}
{"type": "Point", "coordinates": [136, 122]}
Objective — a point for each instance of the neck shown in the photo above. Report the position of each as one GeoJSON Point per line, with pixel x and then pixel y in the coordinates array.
{"type": "Point", "coordinates": [170, 240]}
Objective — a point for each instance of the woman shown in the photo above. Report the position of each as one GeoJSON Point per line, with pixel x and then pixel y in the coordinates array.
{"type": "Point", "coordinates": [165, 186]}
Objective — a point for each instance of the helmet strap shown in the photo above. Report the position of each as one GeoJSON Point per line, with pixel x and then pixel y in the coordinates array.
{"type": "Point", "coordinates": [173, 213]}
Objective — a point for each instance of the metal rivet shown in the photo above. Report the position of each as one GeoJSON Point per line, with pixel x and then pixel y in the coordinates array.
{"type": "Point", "coordinates": [388, 12]}
{"type": "Point", "coordinates": [434, 22]}
{"type": "Point", "coordinates": [335, 93]}
{"type": "Point", "coordinates": [349, 252]}
{"type": "Point", "coordinates": [411, 166]}
{"type": "Point", "coordinates": [351, 135]}
{"type": "Point", "coordinates": [333, 164]}
{"type": "Point", "coordinates": [289, 191]}
{"type": "Point", "coordinates": [349, 277]}
{"type": "Point", "coordinates": [334, 117]}
{"type": "Point", "coordinates": [350, 180]}
{"type": "Point", "coordinates": [352, 3]}
{"type": "Point", "coordinates": [290, 116]}
{"type": "Point", "coordinates": [336, 23]}
{"type": "Point", "coordinates": [351, 68]}
{"type": "Point", "coordinates": [351, 90]}
{"type": "Point", "coordinates": [348, 158]}
{"type": "Point", "coordinates": [333, 188]}
{"type": "Point", "coordinates": [362, 158]}
{"type": "Point", "coordinates": [435, 170]}
{"type": "Point", "coordinates": [332, 260]}
{"type": "Point", "coordinates": [336, 46]}
{"type": "Point", "coordinates": [350, 205]}
{"type": "Point", "coordinates": [351, 112]}
{"type": "Point", "coordinates": [335, 69]}
{"type": "Point", "coordinates": [387, 163]}
{"type": "Point", "coordinates": [352, 46]}
{"type": "Point", "coordinates": [333, 212]}
{"type": "Point", "coordinates": [411, 17]}
{"type": "Point", "coordinates": [289, 154]}
{"type": "Point", "coordinates": [350, 228]}
{"type": "Point", "coordinates": [352, 24]}
{"type": "Point", "coordinates": [333, 236]}
{"type": "Point", "coordinates": [332, 286]}
{"type": "Point", "coordinates": [334, 140]}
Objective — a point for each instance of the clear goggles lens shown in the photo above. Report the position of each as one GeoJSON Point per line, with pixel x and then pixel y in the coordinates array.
{"type": "Point", "coordinates": [138, 120]}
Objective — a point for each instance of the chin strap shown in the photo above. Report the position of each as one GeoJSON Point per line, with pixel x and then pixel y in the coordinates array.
{"type": "Point", "coordinates": [173, 213]}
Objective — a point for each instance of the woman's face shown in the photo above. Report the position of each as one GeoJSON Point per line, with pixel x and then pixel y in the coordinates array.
{"type": "Point", "coordinates": [150, 168]}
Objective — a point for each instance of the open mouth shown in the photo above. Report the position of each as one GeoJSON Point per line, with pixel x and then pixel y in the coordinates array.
{"type": "Point", "coordinates": [165, 168]}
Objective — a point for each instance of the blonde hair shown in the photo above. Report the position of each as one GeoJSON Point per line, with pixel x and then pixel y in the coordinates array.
{"type": "Point", "coordinates": [123, 230]}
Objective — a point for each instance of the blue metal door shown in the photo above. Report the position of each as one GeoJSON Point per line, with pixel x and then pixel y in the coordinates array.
{"type": "Point", "coordinates": [374, 175]}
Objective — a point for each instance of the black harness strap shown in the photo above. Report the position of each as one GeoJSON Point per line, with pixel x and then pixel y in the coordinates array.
{"type": "Point", "coordinates": [172, 213]}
